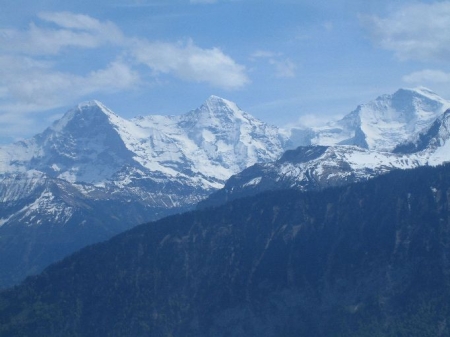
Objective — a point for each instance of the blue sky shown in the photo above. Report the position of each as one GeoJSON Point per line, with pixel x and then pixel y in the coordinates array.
{"type": "Point", "coordinates": [282, 61]}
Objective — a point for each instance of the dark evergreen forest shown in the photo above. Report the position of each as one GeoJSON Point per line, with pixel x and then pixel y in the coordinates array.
{"type": "Point", "coordinates": [367, 259]}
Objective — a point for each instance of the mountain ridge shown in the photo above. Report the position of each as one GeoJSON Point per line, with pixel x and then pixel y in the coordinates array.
{"type": "Point", "coordinates": [148, 167]}
{"type": "Point", "coordinates": [419, 139]}
{"type": "Point", "coordinates": [127, 171]}
{"type": "Point", "coordinates": [383, 123]}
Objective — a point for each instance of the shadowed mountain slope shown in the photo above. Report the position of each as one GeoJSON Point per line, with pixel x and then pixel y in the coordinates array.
{"type": "Point", "coordinates": [368, 259]}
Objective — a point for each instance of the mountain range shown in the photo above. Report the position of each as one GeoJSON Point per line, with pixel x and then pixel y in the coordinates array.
{"type": "Point", "coordinates": [408, 129]}
{"type": "Point", "coordinates": [93, 174]}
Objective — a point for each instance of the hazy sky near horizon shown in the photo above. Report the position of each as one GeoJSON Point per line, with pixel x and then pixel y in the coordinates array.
{"type": "Point", "coordinates": [282, 61]}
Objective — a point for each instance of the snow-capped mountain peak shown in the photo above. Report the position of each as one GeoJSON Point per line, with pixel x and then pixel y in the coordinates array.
{"type": "Point", "coordinates": [83, 146]}
{"type": "Point", "coordinates": [91, 144]}
{"type": "Point", "coordinates": [404, 106]}
{"type": "Point", "coordinates": [218, 104]}
{"type": "Point", "coordinates": [381, 124]}
{"type": "Point", "coordinates": [84, 114]}
{"type": "Point", "coordinates": [424, 91]}
{"type": "Point", "coordinates": [391, 119]}
{"type": "Point", "coordinates": [215, 112]}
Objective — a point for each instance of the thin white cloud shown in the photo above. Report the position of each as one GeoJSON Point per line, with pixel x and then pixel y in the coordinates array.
{"type": "Point", "coordinates": [311, 120]}
{"type": "Point", "coordinates": [72, 30]}
{"type": "Point", "coordinates": [28, 83]}
{"type": "Point", "coordinates": [417, 31]}
{"type": "Point", "coordinates": [189, 62]}
{"type": "Point", "coordinates": [33, 76]}
{"type": "Point", "coordinates": [186, 61]}
{"type": "Point", "coordinates": [328, 26]}
{"type": "Point", "coordinates": [117, 76]}
{"type": "Point", "coordinates": [71, 20]}
{"type": "Point", "coordinates": [28, 87]}
{"type": "Point", "coordinates": [263, 54]}
{"type": "Point", "coordinates": [427, 76]}
{"type": "Point", "coordinates": [284, 68]}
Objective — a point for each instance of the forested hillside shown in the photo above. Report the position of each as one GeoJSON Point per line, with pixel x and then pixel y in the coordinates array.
{"type": "Point", "coordinates": [368, 259]}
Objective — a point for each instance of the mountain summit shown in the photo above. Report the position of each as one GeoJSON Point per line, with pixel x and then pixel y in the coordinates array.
{"type": "Point", "coordinates": [93, 174]}
{"type": "Point", "coordinates": [404, 130]}
{"type": "Point", "coordinates": [381, 124]}
{"type": "Point", "coordinates": [85, 115]}
{"type": "Point", "coordinates": [84, 146]}
{"type": "Point", "coordinates": [219, 108]}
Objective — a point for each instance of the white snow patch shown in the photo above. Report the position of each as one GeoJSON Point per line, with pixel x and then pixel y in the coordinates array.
{"type": "Point", "coordinates": [253, 182]}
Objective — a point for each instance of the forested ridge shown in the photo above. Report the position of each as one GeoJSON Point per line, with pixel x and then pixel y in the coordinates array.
{"type": "Point", "coordinates": [367, 259]}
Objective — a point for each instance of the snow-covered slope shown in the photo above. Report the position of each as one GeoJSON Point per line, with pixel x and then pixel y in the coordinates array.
{"type": "Point", "coordinates": [172, 162]}
{"type": "Point", "coordinates": [216, 140]}
{"type": "Point", "coordinates": [313, 167]}
{"type": "Point", "coordinates": [381, 124]}
{"type": "Point", "coordinates": [93, 174]}
{"type": "Point", "coordinates": [405, 130]}
{"type": "Point", "coordinates": [83, 146]}
{"type": "Point", "coordinates": [166, 161]}
{"type": "Point", "coordinates": [176, 161]}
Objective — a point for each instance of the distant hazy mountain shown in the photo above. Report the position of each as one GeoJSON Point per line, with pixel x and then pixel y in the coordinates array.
{"type": "Point", "coordinates": [367, 259]}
